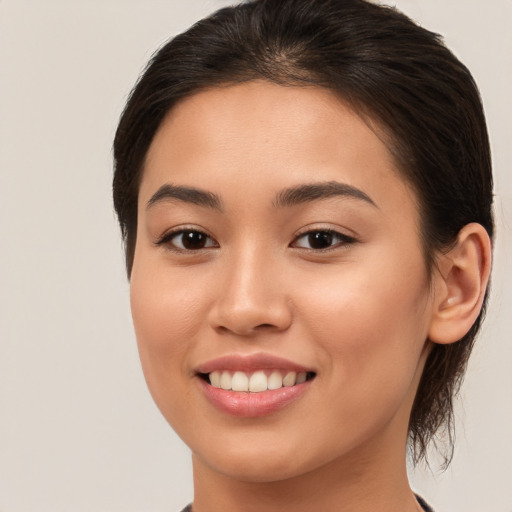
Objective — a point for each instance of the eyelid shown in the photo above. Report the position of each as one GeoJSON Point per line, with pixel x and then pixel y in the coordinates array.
{"type": "Point", "coordinates": [345, 239]}
{"type": "Point", "coordinates": [167, 236]}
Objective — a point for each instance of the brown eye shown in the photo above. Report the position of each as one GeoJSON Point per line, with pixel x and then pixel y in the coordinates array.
{"type": "Point", "coordinates": [322, 239]}
{"type": "Point", "coordinates": [192, 240]}
{"type": "Point", "coordinates": [187, 240]}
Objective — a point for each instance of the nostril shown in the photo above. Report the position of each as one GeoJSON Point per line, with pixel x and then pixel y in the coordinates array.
{"type": "Point", "coordinates": [249, 316]}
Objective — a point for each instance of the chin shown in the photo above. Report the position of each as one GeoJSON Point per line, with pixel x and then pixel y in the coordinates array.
{"type": "Point", "coordinates": [255, 467]}
{"type": "Point", "coordinates": [264, 457]}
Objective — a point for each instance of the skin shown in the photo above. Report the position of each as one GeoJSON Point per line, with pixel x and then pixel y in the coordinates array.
{"type": "Point", "coordinates": [358, 314]}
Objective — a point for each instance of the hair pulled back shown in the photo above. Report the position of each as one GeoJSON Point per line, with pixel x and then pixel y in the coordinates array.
{"type": "Point", "coordinates": [394, 73]}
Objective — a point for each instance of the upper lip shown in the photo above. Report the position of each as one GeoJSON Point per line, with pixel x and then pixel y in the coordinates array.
{"type": "Point", "coordinates": [250, 363]}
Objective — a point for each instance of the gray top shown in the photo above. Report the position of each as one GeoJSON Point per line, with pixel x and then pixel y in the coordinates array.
{"type": "Point", "coordinates": [421, 501]}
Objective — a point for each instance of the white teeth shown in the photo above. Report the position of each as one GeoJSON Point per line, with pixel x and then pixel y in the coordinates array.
{"type": "Point", "coordinates": [275, 381]}
{"type": "Point", "coordinates": [215, 379]}
{"type": "Point", "coordinates": [255, 382]}
{"type": "Point", "coordinates": [289, 379]}
{"type": "Point", "coordinates": [240, 382]}
{"type": "Point", "coordinates": [301, 377]}
{"type": "Point", "coordinates": [258, 382]}
{"type": "Point", "coordinates": [225, 380]}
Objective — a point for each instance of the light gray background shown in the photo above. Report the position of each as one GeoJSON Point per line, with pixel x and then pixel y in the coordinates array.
{"type": "Point", "coordinates": [78, 430]}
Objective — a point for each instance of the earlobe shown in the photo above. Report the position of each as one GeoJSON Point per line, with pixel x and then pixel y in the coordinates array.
{"type": "Point", "coordinates": [460, 285]}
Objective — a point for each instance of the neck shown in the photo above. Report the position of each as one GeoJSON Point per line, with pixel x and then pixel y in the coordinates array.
{"type": "Point", "coordinates": [361, 482]}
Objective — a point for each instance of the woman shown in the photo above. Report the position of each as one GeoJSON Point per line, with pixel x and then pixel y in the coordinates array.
{"type": "Point", "coordinates": [305, 192]}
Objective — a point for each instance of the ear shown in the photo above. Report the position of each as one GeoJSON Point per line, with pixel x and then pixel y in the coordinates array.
{"type": "Point", "coordinates": [460, 284]}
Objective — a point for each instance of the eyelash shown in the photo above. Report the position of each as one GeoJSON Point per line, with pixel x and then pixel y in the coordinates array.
{"type": "Point", "coordinates": [342, 240]}
{"type": "Point", "coordinates": [166, 240]}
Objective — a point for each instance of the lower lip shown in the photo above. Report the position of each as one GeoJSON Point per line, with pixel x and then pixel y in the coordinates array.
{"type": "Point", "coordinates": [252, 405]}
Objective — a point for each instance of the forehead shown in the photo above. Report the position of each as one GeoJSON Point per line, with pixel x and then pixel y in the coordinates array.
{"type": "Point", "coordinates": [267, 135]}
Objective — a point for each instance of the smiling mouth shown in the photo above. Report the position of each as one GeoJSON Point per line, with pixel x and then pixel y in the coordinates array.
{"type": "Point", "coordinates": [257, 381]}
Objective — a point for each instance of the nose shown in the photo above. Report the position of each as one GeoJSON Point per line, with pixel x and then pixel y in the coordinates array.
{"type": "Point", "coordinates": [251, 297]}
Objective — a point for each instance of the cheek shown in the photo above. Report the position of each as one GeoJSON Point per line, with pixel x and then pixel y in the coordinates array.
{"type": "Point", "coordinates": [167, 317]}
{"type": "Point", "coordinates": [166, 307]}
{"type": "Point", "coordinates": [371, 323]}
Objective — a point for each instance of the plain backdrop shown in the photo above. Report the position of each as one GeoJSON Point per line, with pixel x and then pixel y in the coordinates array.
{"type": "Point", "coordinates": [78, 430]}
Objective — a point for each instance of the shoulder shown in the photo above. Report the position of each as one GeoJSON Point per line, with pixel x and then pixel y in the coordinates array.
{"type": "Point", "coordinates": [424, 505]}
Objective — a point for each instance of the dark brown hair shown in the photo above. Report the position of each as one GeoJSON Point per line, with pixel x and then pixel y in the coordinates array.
{"type": "Point", "coordinates": [393, 73]}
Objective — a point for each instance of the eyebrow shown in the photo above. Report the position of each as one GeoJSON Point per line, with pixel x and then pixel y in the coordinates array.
{"type": "Point", "coordinates": [313, 191]}
{"type": "Point", "coordinates": [289, 197]}
{"type": "Point", "coordinates": [190, 195]}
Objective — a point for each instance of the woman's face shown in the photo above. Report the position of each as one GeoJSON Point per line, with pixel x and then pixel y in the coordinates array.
{"type": "Point", "coordinates": [277, 242]}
